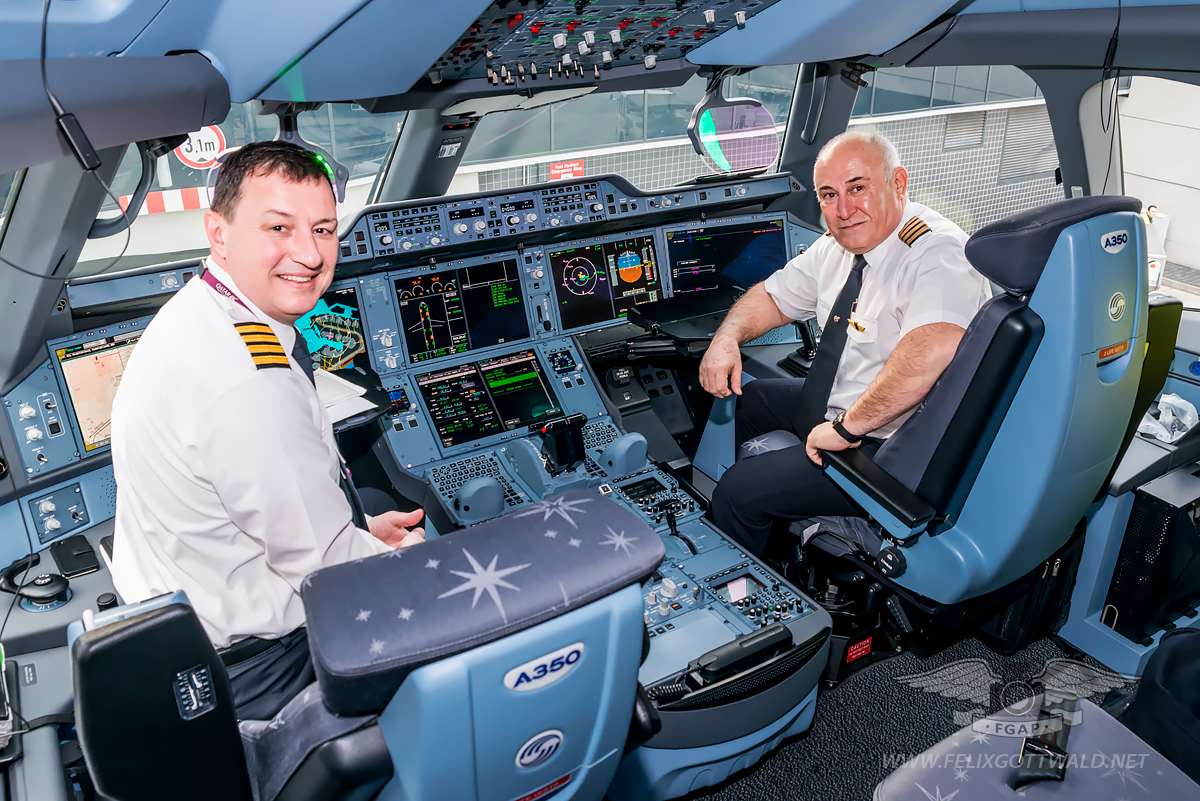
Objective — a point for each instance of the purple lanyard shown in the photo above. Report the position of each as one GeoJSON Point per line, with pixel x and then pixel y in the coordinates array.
{"type": "Point", "coordinates": [212, 281]}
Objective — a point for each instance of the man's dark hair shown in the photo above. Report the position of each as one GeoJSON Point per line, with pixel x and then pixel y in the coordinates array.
{"type": "Point", "coordinates": [262, 158]}
{"type": "Point", "coordinates": [1152, 206]}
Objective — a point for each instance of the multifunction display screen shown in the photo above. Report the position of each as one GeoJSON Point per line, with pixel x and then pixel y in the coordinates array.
{"type": "Point", "coordinates": [333, 331]}
{"type": "Point", "coordinates": [93, 371]}
{"type": "Point", "coordinates": [600, 282]}
{"type": "Point", "coordinates": [738, 255]}
{"type": "Point", "coordinates": [486, 397]}
{"type": "Point", "coordinates": [454, 311]}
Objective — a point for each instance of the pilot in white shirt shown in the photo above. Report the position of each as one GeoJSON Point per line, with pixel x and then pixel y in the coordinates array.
{"type": "Point", "coordinates": [913, 297]}
{"type": "Point", "coordinates": [228, 476]}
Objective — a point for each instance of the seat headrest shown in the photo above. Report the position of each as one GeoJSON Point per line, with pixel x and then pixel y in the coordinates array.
{"type": "Point", "coordinates": [374, 621]}
{"type": "Point", "coordinates": [1013, 252]}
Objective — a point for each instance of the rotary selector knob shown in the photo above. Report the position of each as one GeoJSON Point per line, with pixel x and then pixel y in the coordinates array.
{"type": "Point", "coordinates": [531, 217]}
{"type": "Point", "coordinates": [741, 191]}
{"type": "Point", "coordinates": [436, 240]}
{"type": "Point", "coordinates": [537, 273]}
{"type": "Point", "coordinates": [407, 245]}
{"type": "Point", "coordinates": [53, 524]}
{"type": "Point", "coordinates": [646, 617]}
{"type": "Point", "coordinates": [170, 281]}
{"type": "Point", "coordinates": [668, 588]}
{"type": "Point", "coordinates": [27, 411]}
{"type": "Point", "coordinates": [664, 607]}
{"type": "Point", "coordinates": [652, 597]}
{"type": "Point", "coordinates": [47, 506]}
{"type": "Point", "coordinates": [577, 217]}
{"type": "Point", "coordinates": [554, 221]}
{"type": "Point", "coordinates": [386, 239]}
{"type": "Point", "coordinates": [390, 361]}
{"type": "Point", "coordinates": [666, 201]}
{"type": "Point", "coordinates": [480, 225]}
{"type": "Point", "coordinates": [385, 340]}
{"type": "Point", "coordinates": [460, 228]}
{"type": "Point", "coordinates": [597, 208]}
{"type": "Point", "coordinates": [560, 41]}
{"type": "Point", "coordinates": [513, 219]}
{"type": "Point", "coordinates": [33, 434]}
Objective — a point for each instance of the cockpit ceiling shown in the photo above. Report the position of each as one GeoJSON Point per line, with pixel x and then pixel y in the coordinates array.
{"type": "Point", "coordinates": [327, 50]}
{"type": "Point", "coordinates": [432, 52]}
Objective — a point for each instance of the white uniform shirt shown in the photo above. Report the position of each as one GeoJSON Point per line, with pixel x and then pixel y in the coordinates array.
{"type": "Point", "coordinates": [227, 475]}
{"type": "Point", "coordinates": [903, 288]}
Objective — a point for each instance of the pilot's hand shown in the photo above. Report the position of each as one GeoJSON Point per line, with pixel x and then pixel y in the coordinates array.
{"type": "Point", "coordinates": [396, 528]}
{"type": "Point", "coordinates": [722, 367]}
{"type": "Point", "coordinates": [824, 438]}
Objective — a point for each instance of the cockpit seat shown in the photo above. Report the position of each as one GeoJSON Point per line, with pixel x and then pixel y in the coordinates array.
{"type": "Point", "coordinates": [992, 472]}
{"type": "Point", "coordinates": [492, 662]}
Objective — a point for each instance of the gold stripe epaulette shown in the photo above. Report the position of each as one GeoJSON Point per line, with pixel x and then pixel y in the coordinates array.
{"type": "Point", "coordinates": [829, 233]}
{"type": "Point", "coordinates": [913, 230]}
{"type": "Point", "coordinates": [264, 347]}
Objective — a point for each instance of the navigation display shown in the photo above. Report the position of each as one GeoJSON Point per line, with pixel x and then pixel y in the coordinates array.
{"type": "Point", "coordinates": [93, 371]}
{"type": "Point", "coordinates": [454, 311]}
{"type": "Point", "coordinates": [737, 255]}
{"type": "Point", "coordinates": [600, 282]}
{"type": "Point", "coordinates": [488, 397]}
{"type": "Point", "coordinates": [333, 331]}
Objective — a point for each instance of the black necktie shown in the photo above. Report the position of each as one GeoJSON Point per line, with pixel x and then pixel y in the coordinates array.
{"type": "Point", "coordinates": [304, 359]}
{"type": "Point", "coordinates": [814, 397]}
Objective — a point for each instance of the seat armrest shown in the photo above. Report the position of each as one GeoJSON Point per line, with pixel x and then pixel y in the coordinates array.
{"type": "Point", "coordinates": [893, 505]}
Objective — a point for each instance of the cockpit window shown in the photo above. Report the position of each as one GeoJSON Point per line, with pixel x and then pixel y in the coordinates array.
{"type": "Point", "coordinates": [639, 135]}
{"type": "Point", "coordinates": [169, 228]}
{"type": "Point", "coordinates": [8, 184]}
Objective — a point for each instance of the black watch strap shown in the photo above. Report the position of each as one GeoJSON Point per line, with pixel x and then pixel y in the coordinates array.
{"type": "Point", "coordinates": [842, 432]}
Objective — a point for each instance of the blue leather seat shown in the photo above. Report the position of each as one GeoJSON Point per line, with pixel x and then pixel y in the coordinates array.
{"type": "Point", "coordinates": [490, 663]}
{"type": "Point", "coordinates": [991, 474]}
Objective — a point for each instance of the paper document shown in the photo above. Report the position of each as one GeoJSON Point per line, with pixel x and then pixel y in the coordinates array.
{"type": "Point", "coordinates": [342, 398]}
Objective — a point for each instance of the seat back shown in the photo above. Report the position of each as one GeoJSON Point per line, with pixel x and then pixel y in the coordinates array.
{"type": "Point", "coordinates": [504, 657]}
{"type": "Point", "coordinates": [1078, 269]}
{"type": "Point", "coordinates": [153, 707]}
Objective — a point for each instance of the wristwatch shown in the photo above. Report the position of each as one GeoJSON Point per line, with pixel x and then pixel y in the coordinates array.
{"type": "Point", "coordinates": [841, 429]}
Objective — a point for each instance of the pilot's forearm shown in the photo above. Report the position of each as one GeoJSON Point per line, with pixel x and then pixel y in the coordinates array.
{"type": "Point", "coordinates": [753, 315]}
{"type": "Point", "coordinates": [906, 378]}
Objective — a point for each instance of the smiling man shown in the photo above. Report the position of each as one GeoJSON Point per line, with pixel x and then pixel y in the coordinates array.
{"type": "Point", "coordinates": [894, 293]}
{"type": "Point", "coordinates": [229, 482]}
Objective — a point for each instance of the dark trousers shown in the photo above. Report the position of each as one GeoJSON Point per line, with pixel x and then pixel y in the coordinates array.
{"type": "Point", "coordinates": [263, 684]}
{"type": "Point", "coordinates": [772, 489]}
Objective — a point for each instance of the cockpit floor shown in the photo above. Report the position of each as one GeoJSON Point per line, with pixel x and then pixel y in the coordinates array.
{"type": "Point", "coordinates": [891, 711]}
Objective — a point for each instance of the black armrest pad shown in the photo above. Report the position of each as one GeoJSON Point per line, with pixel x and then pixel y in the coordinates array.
{"type": "Point", "coordinates": [374, 621]}
{"type": "Point", "coordinates": [879, 485]}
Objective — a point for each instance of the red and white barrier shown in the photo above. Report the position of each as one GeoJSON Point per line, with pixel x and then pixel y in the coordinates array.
{"type": "Point", "coordinates": [189, 199]}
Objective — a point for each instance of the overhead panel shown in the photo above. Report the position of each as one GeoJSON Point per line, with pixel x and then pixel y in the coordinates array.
{"type": "Point", "coordinates": [518, 42]}
{"type": "Point", "coordinates": [75, 29]}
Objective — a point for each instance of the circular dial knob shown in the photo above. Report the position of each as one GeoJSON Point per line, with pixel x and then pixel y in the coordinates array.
{"type": "Point", "coordinates": [436, 240]}
{"type": "Point", "coordinates": [652, 597]}
{"type": "Point", "coordinates": [537, 273]}
{"type": "Point", "coordinates": [554, 221]}
{"type": "Point", "coordinates": [53, 524]}
{"type": "Point", "coordinates": [386, 239]}
{"type": "Point", "coordinates": [513, 219]}
{"type": "Point", "coordinates": [577, 217]}
{"type": "Point", "coordinates": [597, 208]}
{"type": "Point", "coordinates": [664, 607]}
{"type": "Point", "coordinates": [666, 201]}
{"type": "Point", "coordinates": [33, 434]}
{"type": "Point", "coordinates": [741, 190]}
{"type": "Point", "coordinates": [531, 217]}
{"type": "Point", "coordinates": [668, 588]}
{"type": "Point", "coordinates": [46, 507]}
{"type": "Point", "coordinates": [27, 411]}
{"type": "Point", "coordinates": [480, 225]}
{"type": "Point", "coordinates": [407, 245]}
{"type": "Point", "coordinates": [460, 228]}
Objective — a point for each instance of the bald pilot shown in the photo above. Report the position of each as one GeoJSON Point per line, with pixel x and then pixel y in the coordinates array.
{"type": "Point", "coordinates": [894, 293]}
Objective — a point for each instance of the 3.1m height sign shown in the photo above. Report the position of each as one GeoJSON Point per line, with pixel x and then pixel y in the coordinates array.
{"type": "Point", "coordinates": [202, 147]}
